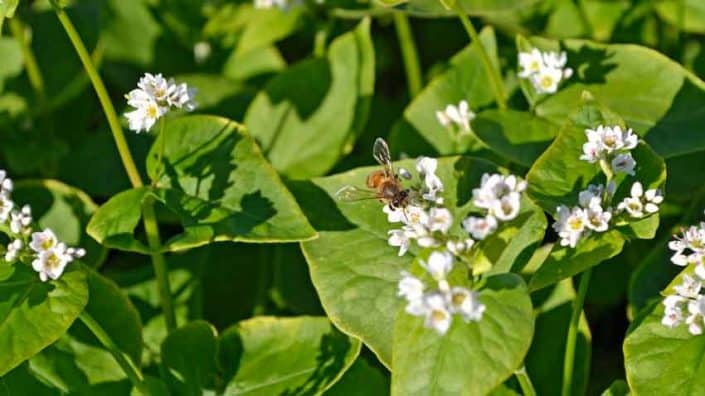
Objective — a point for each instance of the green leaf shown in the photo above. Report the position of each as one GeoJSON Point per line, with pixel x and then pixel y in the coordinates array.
{"type": "Point", "coordinates": [660, 360]}
{"type": "Point", "coordinates": [361, 379]}
{"type": "Point", "coordinates": [131, 32]}
{"type": "Point", "coordinates": [434, 8]}
{"type": "Point", "coordinates": [618, 388]}
{"type": "Point", "coordinates": [517, 136]}
{"type": "Point", "coordinates": [465, 79]}
{"type": "Point", "coordinates": [544, 362]}
{"type": "Point", "coordinates": [190, 353]}
{"type": "Point", "coordinates": [7, 10]}
{"type": "Point", "coordinates": [690, 12]}
{"type": "Point", "coordinates": [306, 117]}
{"type": "Point", "coordinates": [218, 186]}
{"type": "Point", "coordinates": [34, 314]}
{"type": "Point", "coordinates": [564, 261]}
{"type": "Point", "coordinates": [355, 271]}
{"type": "Point", "coordinates": [471, 358]}
{"type": "Point", "coordinates": [65, 210]}
{"type": "Point", "coordinates": [11, 55]}
{"type": "Point", "coordinates": [272, 356]}
{"type": "Point", "coordinates": [22, 381]}
{"type": "Point", "coordinates": [655, 95]}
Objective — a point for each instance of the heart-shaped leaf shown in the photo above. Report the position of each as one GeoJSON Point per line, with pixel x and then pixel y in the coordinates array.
{"type": "Point", "coordinates": [355, 271]}
{"type": "Point", "coordinates": [471, 358]}
{"type": "Point", "coordinates": [34, 314]}
{"type": "Point", "coordinates": [216, 183]}
{"type": "Point", "coordinates": [191, 353]}
{"type": "Point", "coordinates": [307, 116]}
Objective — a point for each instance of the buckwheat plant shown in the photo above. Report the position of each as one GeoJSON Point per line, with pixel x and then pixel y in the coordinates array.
{"type": "Point", "coordinates": [610, 148]}
{"type": "Point", "coordinates": [545, 70]}
{"type": "Point", "coordinates": [153, 98]}
{"type": "Point", "coordinates": [456, 117]}
{"type": "Point", "coordinates": [685, 304]}
{"type": "Point", "coordinates": [428, 224]}
{"type": "Point", "coordinates": [48, 256]}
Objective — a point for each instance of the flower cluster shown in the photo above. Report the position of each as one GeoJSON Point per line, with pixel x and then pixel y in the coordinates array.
{"type": "Point", "coordinates": [48, 255]}
{"type": "Point", "coordinates": [459, 115]}
{"type": "Point", "coordinates": [611, 145]}
{"type": "Point", "coordinates": [594, 213]}
{"type": "Point", "coordinates": [283, 5]}
{"type": "Point", "coordinates": [427, 223]}
{"type": "Point", "coordinates": [545, 70]}
{"type": "Point", "coordinates": [153, 98]}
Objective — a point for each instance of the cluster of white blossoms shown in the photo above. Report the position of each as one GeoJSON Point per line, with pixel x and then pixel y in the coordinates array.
{"type": "Point", "coordinates": [545, 70]}
{"type": "Point", "coordinates": [686, 304]}
{"type": "Point", "coordinates": [459, 115]}
{"type": "Point", "coordinates": [429, 225]}
{"type": "Point", "coordinates": [610, 147]}
{"type": "Point", "coordinates": [283, 5]}
{"type": "Point", "coordinates": [48, 255]}
{"type": "Point", "coordinates": [153, 98]}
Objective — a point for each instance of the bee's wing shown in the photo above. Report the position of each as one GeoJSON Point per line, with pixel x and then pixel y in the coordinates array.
{"type": "Point", "coordinates": [381, 153]}
{"type": "Point", "coordinates": [352, 194]}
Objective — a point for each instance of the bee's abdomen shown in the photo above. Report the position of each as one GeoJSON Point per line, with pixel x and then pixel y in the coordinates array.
{"type": "Point", "coordinates": [375, 179]}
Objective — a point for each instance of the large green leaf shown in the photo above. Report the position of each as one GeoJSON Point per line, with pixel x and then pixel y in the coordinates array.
{"type": "Point", "coordinates": [465, 79]}
{"type": "Point", "coordinates": [22, 381]}
{"type": "Point", "coordinates": [306, 117]}
{"type": "Point", "coordinates": [471, 358]}
{"type": "Point", "coordinates": [190, 352]}
{"type": "Point", "coordinates": [34, 314]}
{"type": "Point", "coordinates": [361, 380]}
{"type": "Point", "coordinates": [663, 361]}
{"type": "Point", "coordinates": [131, 32]}
{"type": "Point", "coordinates": [655, 95]}
{"type": "Point", "coordinates": [293, 356]}
{"type": "Point", "coordinates": [65, 210]}
{"type": "Point", "coordinates": [11, 54]}
{"type": "Point", "coordinates": [215, 182]}
{"type": "Point", "coordinates": [687, 15]}
{"type": "Point", "coordinates": [355, 271]}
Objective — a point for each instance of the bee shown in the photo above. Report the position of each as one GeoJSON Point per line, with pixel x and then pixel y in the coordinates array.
{"type": "Point", "coordinates": [383, 184]}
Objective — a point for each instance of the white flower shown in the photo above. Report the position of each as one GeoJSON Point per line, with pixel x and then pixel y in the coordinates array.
{"type": "Point", "coordinates": [399, 238]}
{"type": "Point", "coordinates": [181, 96]}
{"type": "Point", "coordinates": [690, 287]}
{"type": "Point", "coordinates": [153, 98]}
{"type": "Point", "coordinates": [591, 196]}
{"type": "Point", "coordinates": [466, 303]}
{"type": "Point", "coordinates": [507, 207]}
{"type": "Point", "coordinates": [433, 185]}
{"type": "Point", "coordinates": [480, 227]}
{"type": "Point", "coordinates": [410, 287]}
{"type": "Point", "coordinates": [5, 183]}
{"type": "Point", "coordinates": [43, 241]}
{"type": "Point", "coordinates": [51, 263]}
{"type": "Point", "coordinates": [546, 80]}
{"type": "Point", "coordinates": [6, 206]}
{"type": "Point", "coordinates": [439, 264]}
{"type": "Point", "coordinates": [696, 308]}
{"type": "Point", "coordinates": [570, 225]}
{"type": "Point", "coordinates": [623, 163]}
{"type": "Point", "coordinates": [268, 4]}
{"type": "Point", "coordinates": [201, 51]}
{"type": "Point", "coordinates": [459, 115]}
{"type": "Point", "coordinates": [597, 218]}
{"type": "Point", "coordinates": [690, 247]}
{"type": "Point", "coordinates": [20, 221]}
{"type": "Point", "coordinates": [591, 152]}
{"type": "Point", "coordinates": [155, 86]}
{"type": "Point", "coordinates": [554, 59]}
{"type": "Point", "coordinates": [13, 250]}
{"type": "Point", "coordinates": [459, 247]}
{"type": "Point", "coordinates": [145, 116]}
{"type": "Point", "coordinates": [440, 219]}
{"type": "Point", "coordinates": [530, 63]}
{"type": "Point", "coordinates": [672, 316]}
{"type": "Point", "coordinates": [639, 203]}
{"type": "Point", "coordinates": [438, 317]}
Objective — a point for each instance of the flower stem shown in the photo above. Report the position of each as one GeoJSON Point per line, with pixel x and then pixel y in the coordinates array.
{"type": "Point", "coordinates": [103, 97]}
{"type": "Point", "coordinates": [569, 359]}
{"type": "Point", "coordinates": [149, 218]}
{"type": "Point", "coordinates": [30, 61]}
{"type": "Point", "coordinates": [525, 382]}
{"type": "Point", "coordinates": [492, 72]}
{"type": "Point", "coordinates": [409, 53]}
{"type": "Point", "coordinates": [128, 366]}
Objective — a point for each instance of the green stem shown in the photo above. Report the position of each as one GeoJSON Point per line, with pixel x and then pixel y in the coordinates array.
{"type": "Point", "coordinates": [30, 61]}
{"type": "Point", "coordinates": [409, 53]}
{"type": "Point", "coordinates": [492, 72]}
{"type": "Point", "coordinates": [320, 40]}
{"type": "Point", "coordinates": [103, 97]}
{"type": "Point", "coordinates": [525, 382]}
{"type": "Point", "coordinates": [569, 360]}
{"type": "Point", "coordinates": [149, 218]}
{"type": "Point", "coordinates": [160, 154]}
{"type": "Point", "coordinates": [128, 366]}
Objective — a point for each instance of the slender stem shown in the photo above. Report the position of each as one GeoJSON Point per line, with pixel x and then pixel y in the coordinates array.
{"type": "Point", "coordinates": [409, 53]}
{"type": "Point", "coordinates": [149, 218]}
{"type": "Point", "coordinates": [160, 154]}
{"type": "Point", "coordinates": [320, 39]}
{"type": "Point", "coordinates": [128, 366]}
{"type": "Point", "coordinates": [492, 72]}
{"type": "Point", "coordinates": [103, 97]}
{"type": "Point", "coordinates": [569, 360]}
{"type": "Point", "coordinates": [151, 228]}
{"type": "Point", "coordinates": [525, 382]}
{"type": "Point", "coordinates": [30, 61]}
